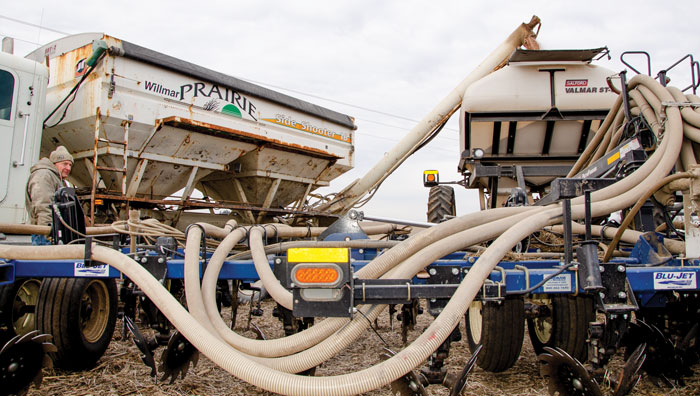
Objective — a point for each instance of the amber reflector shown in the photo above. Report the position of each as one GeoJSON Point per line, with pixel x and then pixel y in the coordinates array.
{"type": "Point", "coordinates": [316, 275]}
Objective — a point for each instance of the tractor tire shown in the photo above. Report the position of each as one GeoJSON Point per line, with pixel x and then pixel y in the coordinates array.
{"type": "Point", "coordinates": [80, 314]}
{"type": "Point", "coordinates": [441, 203]}
{"type": "Point", "coordinates": [500, 329]}
{"type": "Point", "coordinates": [565, 328]}
{"type": "Point", "coordinates": [245, 296]}
{"type": "Point", "coordinates": [18, 306]}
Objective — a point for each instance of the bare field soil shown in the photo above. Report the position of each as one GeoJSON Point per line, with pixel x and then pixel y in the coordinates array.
{"type": "Point", "coordinates": [120, 372]}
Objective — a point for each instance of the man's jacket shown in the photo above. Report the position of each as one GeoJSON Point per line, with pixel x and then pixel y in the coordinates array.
{"type": "Point", "coordinates": [44, 181]}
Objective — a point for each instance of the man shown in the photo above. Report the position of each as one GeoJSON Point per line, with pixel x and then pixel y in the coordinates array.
{"type": "Point", "coordinates": [45, 178]}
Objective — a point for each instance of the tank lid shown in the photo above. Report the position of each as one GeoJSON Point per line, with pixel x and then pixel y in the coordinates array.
{"type": "Point", "coordinates": [579, 55]}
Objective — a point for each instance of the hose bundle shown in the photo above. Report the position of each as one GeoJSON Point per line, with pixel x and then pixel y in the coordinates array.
{"type": "Point", "coordinates": [269, 364]}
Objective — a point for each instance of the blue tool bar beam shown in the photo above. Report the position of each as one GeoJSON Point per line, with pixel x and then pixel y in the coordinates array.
{"type": "Point", "coordinates": [675, 275]}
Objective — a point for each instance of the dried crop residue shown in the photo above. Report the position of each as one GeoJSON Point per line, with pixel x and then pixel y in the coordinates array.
{"type": "Point", "coordinates": [120, 372]}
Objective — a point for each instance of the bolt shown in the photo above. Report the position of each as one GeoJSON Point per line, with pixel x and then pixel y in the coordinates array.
{"type": "Point", "coordinates": [361, 251]}
{"type": "Point", "coordinates": [413, 386]}
{"type": "Point", "coordinates": [472, 260]}
{"type": "Point", "coordinates": [347, 238]}
{"type": "Point", "coordinates": [601, 350]}
{"type": "Point", "coordinates": [602, 269]}
{"type": "Point", "coordinates": [161, 260]}
{"type": "Point", "coordinates": [602, 295]}
{"type": "Point", "coordinates": [144, 260]}
{"type": "Point", "coordinates": [136, 258]}
{"type": "Point", "coordinates": [432, 271]}
{"type": "Point", "coordinates": [278, 261]}
{"type": "Point", "coordinates": [621, 268]}
{"type": "Point", "coordinates": [433, 300]}
{"type": "Point", "coordinates": [625, 316]}
{"type": "Point", "coordinates": [622, 294]}
{"type": "Point", "coordinates": [455, 271]}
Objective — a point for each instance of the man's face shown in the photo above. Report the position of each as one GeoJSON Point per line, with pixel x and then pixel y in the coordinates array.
{"type": "Point", "coordinates": [64, 168]}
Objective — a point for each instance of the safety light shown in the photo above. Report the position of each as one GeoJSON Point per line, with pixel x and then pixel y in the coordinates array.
{"type": "Point", "coordinates": [431, 178]}
{"type": "Point", "coordinates": [98, 202]}
{"type": "Point", "coordinates": [316, 274]}
{"type": "Point", "coordinates": [320, 280]}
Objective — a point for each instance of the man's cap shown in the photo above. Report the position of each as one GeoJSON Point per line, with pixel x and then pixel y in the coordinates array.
{"type": "Point", "coordinates": [60, 154]}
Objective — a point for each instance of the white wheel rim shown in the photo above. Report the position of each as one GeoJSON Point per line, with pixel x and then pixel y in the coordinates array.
{"type": "Point", "coordinates": [475, 321]}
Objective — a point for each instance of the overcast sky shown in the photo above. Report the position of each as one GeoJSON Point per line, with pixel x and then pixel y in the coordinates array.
{"type": "Point", "coordinates": [386, 63]}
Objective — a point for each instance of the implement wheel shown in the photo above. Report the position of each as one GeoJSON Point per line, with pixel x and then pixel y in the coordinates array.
{"type": "Point", "coordinates": [499, 328]}
{"type": "Point", "coordinates": [18, 306]}
{"type": "Point", "coordinates": [565, 328]}
{"type": "Point", "coordinates": [81, 314]}
{"type": "Point", "coordinates": [441, 203]}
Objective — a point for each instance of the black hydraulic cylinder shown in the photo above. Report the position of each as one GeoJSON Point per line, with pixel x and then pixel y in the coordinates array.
{"type": "Point", "coordinates": [589, 267]}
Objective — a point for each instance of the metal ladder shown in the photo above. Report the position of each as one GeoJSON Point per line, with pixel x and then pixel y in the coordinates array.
{"type": "Point", "coordinates": [96, 168]}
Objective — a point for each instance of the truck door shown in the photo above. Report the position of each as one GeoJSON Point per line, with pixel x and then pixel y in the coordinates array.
{"type": "Point", "coordinates": [8, 108]}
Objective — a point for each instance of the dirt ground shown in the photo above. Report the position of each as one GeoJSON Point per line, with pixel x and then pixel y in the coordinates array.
{"type": "Point", "coordinates": [120, 372]}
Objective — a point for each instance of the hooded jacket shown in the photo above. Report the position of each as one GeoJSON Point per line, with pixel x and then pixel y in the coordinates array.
{"type": "Point", "coordinates": [44, 181]}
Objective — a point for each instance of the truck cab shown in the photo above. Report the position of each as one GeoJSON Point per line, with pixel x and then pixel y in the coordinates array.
{"type": "Point", "coordinates": [23, 85]}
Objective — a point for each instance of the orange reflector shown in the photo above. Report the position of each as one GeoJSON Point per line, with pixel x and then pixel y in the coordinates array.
{"type": "Point", "coordinates": [316, 275]}
{"type": "Point", "coordinates": [98, 202]}
{"type": "Point", "coordinates": [431, 178]}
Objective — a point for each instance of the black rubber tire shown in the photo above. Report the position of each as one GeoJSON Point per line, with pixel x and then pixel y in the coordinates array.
{"type": "Point", "coordinates": [566, 328]}
{"type": "Point", "coordinates": [441, 203]}
{"type": "Point", "coordinates": [500, 329]}
{"type": "Point", "coordinates": [15, 317]}
{"type": "Point", "coordinates": [80, 314]}
{"type": "Point", "coordinates": [246, 295]}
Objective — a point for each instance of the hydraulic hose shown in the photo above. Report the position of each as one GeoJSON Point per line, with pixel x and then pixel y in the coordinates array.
{"type": "Point", "coordinates": [193, 292]}
{"type": "Point", "coordinates": [597, 138]}
{"type": "Point", "coordinates": [580, 210]}
{"type": "Point", "coordinates": [628, 236]}
{"type": "Point", "coordinates": [640, 202]}
{"type": "Point", "coordinates": [378, 266]}
{"type": "Point", "coordinates": [689, 115]}
{"type": "Point", "coordinates": [339, 341]}
{"type": "Point", "coordinates": [27, 229]}
{"type": "Point", "coordinates": [413, 254]}
{"type": "Point", "coordinates": [601, 150]}
{"type": "Point", "coordinates": [407, 269]}
{"type": "Point", "coordinates": [262, 266]}
{"type": "Point", "coordinates": [658, 165]}
{"type": "Point", "coordinates": [234, 362]}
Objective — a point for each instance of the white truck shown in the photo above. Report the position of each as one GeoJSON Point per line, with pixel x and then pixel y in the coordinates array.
{"type": "Point", "coordinates": [22, 97]}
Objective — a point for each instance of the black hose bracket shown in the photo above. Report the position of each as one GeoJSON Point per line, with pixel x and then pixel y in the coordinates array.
{"type": "Point", "coordinates": [87, 260]}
